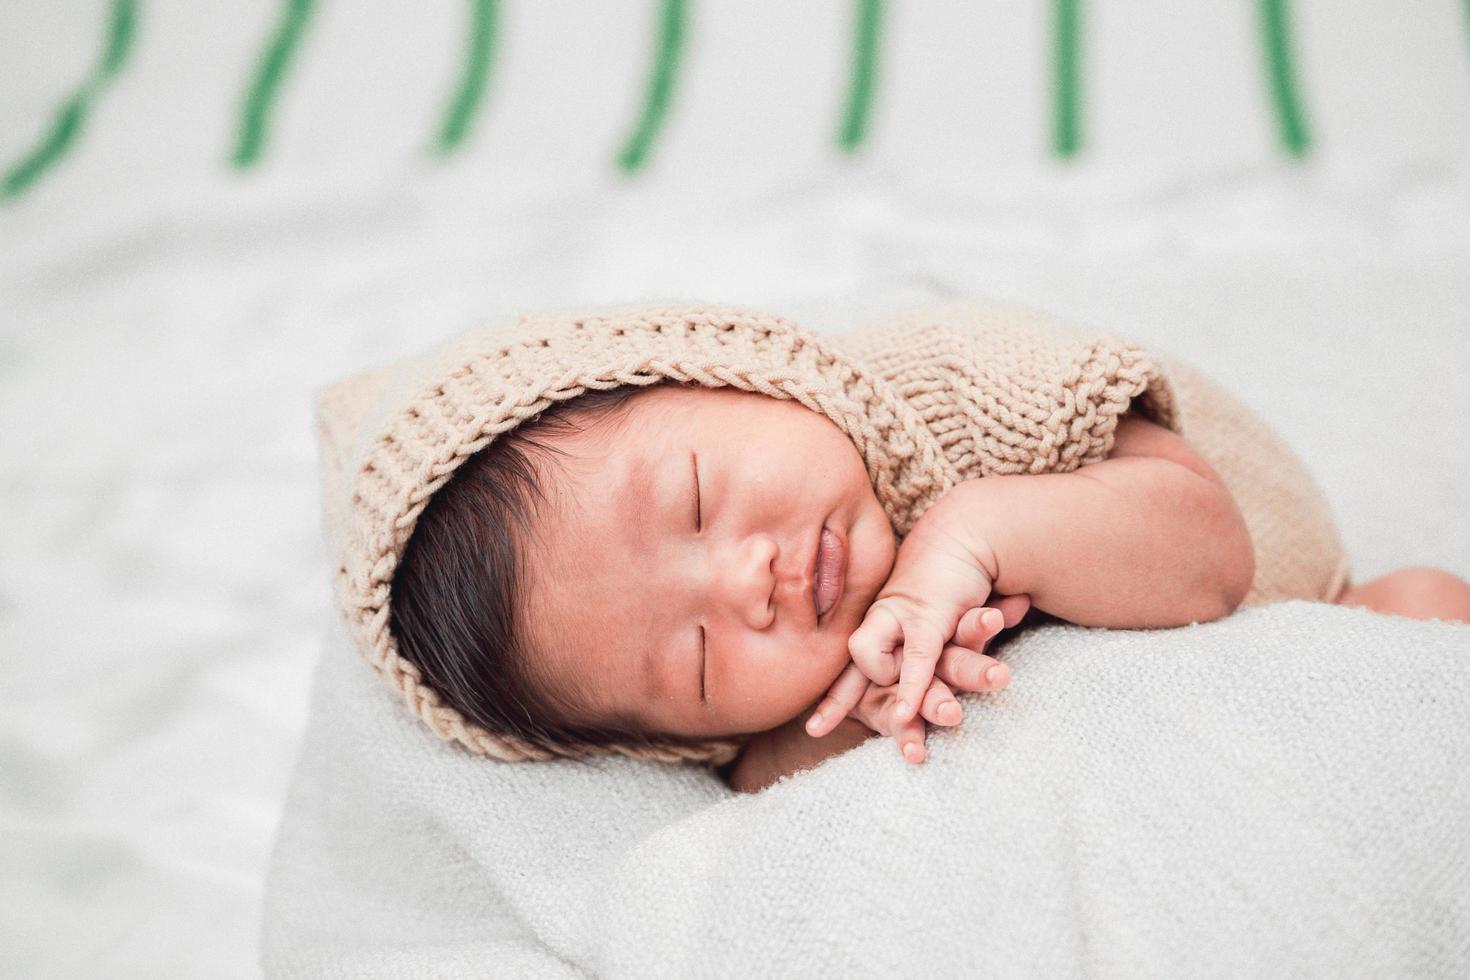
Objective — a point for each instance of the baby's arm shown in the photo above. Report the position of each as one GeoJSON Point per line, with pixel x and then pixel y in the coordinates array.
{"type": "Point", "coordinates": [1149, 537]}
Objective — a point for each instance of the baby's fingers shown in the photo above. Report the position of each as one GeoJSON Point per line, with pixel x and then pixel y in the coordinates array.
{"type": "Point", "coordinates": [967, 670]}
{"type": "Point", "coordinates": [910, 737]}
{"type": "Point", "coordinates": [872, 646]}
{"type": "Point", "coordinates": [1015, 607]}
{"type": "Point", "coordinates": [940, 706]}
{"type": "Point", "coordinates": [978, 627]}
{"type": "Point", "coordinates": [981, 624]}
{"type": "Point", "coordinates": [922, 647]}
{"type": "Point", "coordinates": [842, 697]}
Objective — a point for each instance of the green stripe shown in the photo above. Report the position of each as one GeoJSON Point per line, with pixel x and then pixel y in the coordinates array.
{"type": "Point", "coordinates": [1291, 125]}
{"type": "Point", "coordinates": [671, 26]}
{"type": "Point", "coordinates": [1066, 127]}
{"type": "Point", "coordinates": [461, 112]}
{"type": "Point", "coordinates": [121, 27]}
{"type": "Point", "coordinates": [864, 75]}
{"type": "Point", "coordinates": [269, 73]}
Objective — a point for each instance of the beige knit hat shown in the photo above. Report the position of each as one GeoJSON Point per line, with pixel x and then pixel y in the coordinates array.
{"type": "Point", "coordinates": [929, 398]}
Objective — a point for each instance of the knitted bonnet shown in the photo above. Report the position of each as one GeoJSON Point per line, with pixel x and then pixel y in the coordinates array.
{"type": "Point", "coordinates": [929, 398]}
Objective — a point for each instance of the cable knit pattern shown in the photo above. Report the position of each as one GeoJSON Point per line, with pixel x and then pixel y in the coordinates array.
{"type": "Point", "coordinates": [929, 398]}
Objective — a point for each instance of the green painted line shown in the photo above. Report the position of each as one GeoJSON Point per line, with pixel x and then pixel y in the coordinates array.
{"type": "Point", "coordinates": [863, 79]}
{"type": "Point", "coordinates": [270, 71]}
{"type": "Point", "coordinates": [70, 118]}
{"type": "Point", "coordinates": [1066, 125]}
{"type": "Point", "coordinates": [1291, 125]}
{"type": "Point", "coordinates": [461, 113]}
{"type": "Point", "coordinates": [671, 28]}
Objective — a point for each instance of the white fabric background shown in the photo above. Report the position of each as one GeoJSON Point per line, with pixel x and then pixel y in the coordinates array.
{"type": "Point", "coordinates": [164, 321]}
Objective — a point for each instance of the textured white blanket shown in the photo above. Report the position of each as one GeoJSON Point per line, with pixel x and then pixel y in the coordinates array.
{"type": "Point", "coordinates": [1269, 794]}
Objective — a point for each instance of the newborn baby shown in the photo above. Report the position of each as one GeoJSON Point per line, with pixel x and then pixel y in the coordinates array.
{"type": "Point", "coordinates": [689, 562]}
{"type": "Point", "coordinates": [704, 533]}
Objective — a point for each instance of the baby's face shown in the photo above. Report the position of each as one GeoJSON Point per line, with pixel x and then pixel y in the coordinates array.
{"type": "Point", "coordinates": [672, 577]}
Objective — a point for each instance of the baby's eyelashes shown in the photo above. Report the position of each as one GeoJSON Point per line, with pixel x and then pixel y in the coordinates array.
{"type": "Point", "coordinates": [698, 502]}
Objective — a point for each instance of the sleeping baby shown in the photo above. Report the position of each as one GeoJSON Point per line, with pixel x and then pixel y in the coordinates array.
{"type": "Point", "coordinates": [753, 546]}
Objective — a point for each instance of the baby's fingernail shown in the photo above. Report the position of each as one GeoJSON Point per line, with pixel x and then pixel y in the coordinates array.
{"type": "Point", "coordinates": [993, 618]}
{"type": "Point", "coordinates": [913, 753]}
{"type": "Point", "coordinates": [814, 721]}
{"type": "Point", "coordinates": [902, 708]}
{"type": "Point", "coordinates": [952, 712]}
{"type": "Point", "coordinates": [996, 674]}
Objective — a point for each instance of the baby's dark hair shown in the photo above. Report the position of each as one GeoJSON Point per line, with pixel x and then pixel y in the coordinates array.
{"type": "Point", "coordinates": [459, 594]}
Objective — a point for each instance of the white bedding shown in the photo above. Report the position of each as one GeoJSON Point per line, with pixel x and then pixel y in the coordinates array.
{"type": "Point", "coordinates": [1265, 795]}
{"type": "Point", "coordinates": [164, 321]}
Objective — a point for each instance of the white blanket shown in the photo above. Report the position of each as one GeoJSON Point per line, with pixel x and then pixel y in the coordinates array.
{"type": "Point", "coordinates": [1268, 794]}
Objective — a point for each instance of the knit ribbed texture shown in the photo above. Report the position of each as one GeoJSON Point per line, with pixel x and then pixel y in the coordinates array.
{"type": "Point", "coordinates": [929, 398]}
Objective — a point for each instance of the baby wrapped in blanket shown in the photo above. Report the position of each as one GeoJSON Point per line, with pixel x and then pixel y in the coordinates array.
{"type": "Point", "coordinates": [672, 532]}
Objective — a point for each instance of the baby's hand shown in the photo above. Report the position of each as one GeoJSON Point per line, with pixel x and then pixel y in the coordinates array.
{"type": "Point", "coordinates": [937, 577]}
{"type": "Point", "coordinates": [963, 665]}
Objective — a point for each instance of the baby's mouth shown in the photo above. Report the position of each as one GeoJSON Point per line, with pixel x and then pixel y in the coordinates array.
{"type": "Point", "coordinates": [831, 571]}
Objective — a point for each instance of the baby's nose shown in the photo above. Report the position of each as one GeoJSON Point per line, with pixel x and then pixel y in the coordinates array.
{"type": "Point", "coordinates": [748, 581]}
